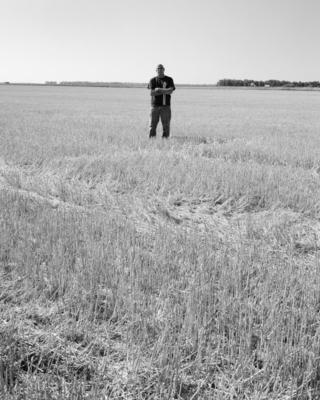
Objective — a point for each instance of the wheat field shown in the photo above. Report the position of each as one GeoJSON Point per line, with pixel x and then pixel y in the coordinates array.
{"type": "Point", "coordinates": [179, 269]}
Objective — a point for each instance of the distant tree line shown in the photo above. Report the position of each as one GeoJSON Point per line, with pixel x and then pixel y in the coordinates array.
{"type": "Point", "coordinates": [270, 82]}
{"type": "Point", "coordinates": [100, 84]}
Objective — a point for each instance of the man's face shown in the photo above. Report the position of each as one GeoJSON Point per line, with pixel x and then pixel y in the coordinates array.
{"type": "Point", "coordinates": [160, 71]}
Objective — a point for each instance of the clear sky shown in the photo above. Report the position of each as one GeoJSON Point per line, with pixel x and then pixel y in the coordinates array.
{"type": "Point", "coordinates": [123, 40]}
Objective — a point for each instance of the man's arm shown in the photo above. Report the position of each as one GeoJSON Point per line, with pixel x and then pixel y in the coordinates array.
{"type": "Point", "coordinates": [160, 91]}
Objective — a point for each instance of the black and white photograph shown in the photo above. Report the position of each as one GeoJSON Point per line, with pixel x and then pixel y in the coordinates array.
{"type": "Point", "coordinates": [159, 200]}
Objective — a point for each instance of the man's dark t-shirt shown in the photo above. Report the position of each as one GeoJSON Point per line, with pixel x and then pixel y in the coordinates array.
{"type": "Point", "coordinates": [163, 83]}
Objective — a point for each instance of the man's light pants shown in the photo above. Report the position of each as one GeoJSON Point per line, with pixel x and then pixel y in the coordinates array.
{"type": "Point", "coordinates": [163, 113]}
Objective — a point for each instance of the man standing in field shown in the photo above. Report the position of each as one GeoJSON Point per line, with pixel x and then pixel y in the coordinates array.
{"type": "Point", "coordinates": [161, 87]}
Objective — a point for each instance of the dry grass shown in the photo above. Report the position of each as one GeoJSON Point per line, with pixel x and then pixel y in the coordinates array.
{"type": "Point", "coordinates": [129, 269]}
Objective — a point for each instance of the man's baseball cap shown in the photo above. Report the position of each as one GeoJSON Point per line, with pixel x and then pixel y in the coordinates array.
{"type": "Point", "coordinates": [160, 66]}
